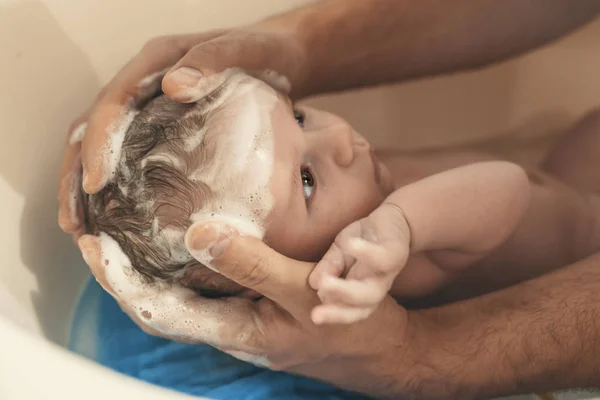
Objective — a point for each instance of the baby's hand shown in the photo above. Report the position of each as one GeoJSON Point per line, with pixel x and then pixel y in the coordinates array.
{"type": "Point", "coordinates": [358, 270]}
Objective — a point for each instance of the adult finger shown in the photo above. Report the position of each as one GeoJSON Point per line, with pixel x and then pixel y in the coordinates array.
{"type": "Point", "coordinates": [131, 88]}
{"type": "Point", "coordinates": [172, 311]}
{"type": "Point", "coordinates": [70, 214]}
{"type": "Point", "coordinates": [276, 53]}
{"type": "Point", "coordinates": [251, 263]}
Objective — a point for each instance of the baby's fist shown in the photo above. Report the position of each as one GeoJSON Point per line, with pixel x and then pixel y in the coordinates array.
{"type": "Point", "coordinates": [358, 270]}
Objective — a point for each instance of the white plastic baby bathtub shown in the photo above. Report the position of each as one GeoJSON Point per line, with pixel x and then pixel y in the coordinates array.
{"type": "Point", "coordinates": [58, 53]}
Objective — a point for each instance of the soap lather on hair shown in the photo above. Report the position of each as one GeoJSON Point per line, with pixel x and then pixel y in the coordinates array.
{"type": "Point", "coordinates": [147, 206]}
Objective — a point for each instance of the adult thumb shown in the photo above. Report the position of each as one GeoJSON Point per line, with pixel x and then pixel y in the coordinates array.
{"type": "Point", "coordinates": [248, 261]}
{"type": "Point", "coordinates": [273, 57]}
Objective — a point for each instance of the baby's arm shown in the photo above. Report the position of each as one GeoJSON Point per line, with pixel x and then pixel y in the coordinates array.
{"type": "Point", "coordinates": [468, 210]}
{"type": "Point", "coordinates": [458, 215]}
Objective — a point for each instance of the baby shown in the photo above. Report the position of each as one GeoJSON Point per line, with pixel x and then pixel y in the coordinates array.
{"type": "Point", "coordinates": [312, 188]}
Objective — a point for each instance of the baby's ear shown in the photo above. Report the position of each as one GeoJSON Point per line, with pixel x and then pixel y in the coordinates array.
{"type": "Point", "coordinates": [208, 283]}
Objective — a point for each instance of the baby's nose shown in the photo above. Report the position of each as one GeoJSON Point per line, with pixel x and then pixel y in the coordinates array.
{"type": "Point", "coordinates": [342, 140]}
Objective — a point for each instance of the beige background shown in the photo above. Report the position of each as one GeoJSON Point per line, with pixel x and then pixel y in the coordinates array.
{"type": "Point", "coordinates": [56, 54]}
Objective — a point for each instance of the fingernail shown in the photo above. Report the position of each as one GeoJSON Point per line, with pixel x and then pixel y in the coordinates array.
{"type": "Point", "coordinates": [85, 183]}
{"type": "Point", "coordinates": [186, 76]}
{"type": "Point", "coordinates": [219, 247]}
{"type": "Point", "coordinates": [202, 237]}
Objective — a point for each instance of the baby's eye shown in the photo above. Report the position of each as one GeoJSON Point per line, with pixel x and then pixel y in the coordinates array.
{"type": "Point", "coordinates": [308, 183]}
{"type": "Point", "coordinates": [299, 115]}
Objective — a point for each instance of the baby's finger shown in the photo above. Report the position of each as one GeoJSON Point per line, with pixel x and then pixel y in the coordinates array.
{"type": "Point", "coordinates": [380, 259]}
{"type": "Point", "coordinates": [332, 264]}
{"type": "Point", "coordinates": [336, 314]}
{"type": "Point", "coordinates": [349, 292]}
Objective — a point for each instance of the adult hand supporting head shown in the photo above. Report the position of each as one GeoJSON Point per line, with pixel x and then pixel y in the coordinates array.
{"type": "Point", "coordinates": [180, 64]}
{"type": "Point", "coordinates": [375, 356]}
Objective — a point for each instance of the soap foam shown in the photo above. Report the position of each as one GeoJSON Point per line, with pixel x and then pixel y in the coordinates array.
{"type": "Point", "coordinates": [149, 87]}
{"type": "Point", "coordinates": [258, 361]}
{"type": "Point", "coordinates": [239, 177]}
{"type": "Point", "coordinates": [280, 82]}
{"type": "Point", "coordinates": [78, 133]}
{"type": "Point", "coordinates": [151, 79]}
{"type": "Point", "coordinates": [239, 180]}
{"type": "Point", "coordinates": [162, 308]}
{"type": "Point", "coordinates": [111, 151]}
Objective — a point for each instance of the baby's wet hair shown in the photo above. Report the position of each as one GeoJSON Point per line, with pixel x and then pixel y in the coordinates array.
{"type": "Point", "coordinates": [147, 206]}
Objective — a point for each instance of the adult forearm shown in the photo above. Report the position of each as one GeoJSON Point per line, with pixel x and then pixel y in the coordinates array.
{"type": "Point", "coordinates": [541, 335]}
{"type": "Point", "coordinates": [353, 43]}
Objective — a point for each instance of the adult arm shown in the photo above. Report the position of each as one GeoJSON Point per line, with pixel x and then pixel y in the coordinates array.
{"type": "Point", "coordinates": [325, 46]}
{"type": "Point", "coordinates": [353, 43]}
{"type": "Point", "coordinates": [539, 336]}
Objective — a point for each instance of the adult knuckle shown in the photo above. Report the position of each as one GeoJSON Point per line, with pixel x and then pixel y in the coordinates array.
{"type": "Point", "coordinates": [157, 43]}
{"type": "Point", "coordinates": [251, 272]}
{"type": "Point", "coordinates": [205, 50]}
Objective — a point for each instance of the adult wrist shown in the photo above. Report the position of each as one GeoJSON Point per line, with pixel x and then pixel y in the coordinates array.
{"type": "Point", "coordinates": [292, 30]}
{"type": "Point", "coordinates": [429, 363]}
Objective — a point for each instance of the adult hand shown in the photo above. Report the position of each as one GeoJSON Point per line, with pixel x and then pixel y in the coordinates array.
{"type": "Point", "coordinates": [182, 65]}
{"type": "Point", "coordinates": [374, 356]}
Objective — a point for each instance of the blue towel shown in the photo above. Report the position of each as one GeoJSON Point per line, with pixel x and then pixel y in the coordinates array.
{"type": "Point", "coordinates": [101, 331]}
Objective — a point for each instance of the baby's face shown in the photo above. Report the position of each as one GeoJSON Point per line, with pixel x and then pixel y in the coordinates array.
{"type": "Point", "coordinates": [321, 174]}
{"type": "Point", "coordinates": [244, 157]}
{"type": "Point", "coordinates": [325, 176]}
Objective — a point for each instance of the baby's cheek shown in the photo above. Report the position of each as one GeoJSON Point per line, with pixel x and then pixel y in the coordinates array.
{"type": "Point", "coordinates": [295, 242]}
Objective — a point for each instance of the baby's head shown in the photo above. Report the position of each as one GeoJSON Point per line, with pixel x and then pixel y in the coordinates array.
{"type": "Point", "coordinates": [243, 154]}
